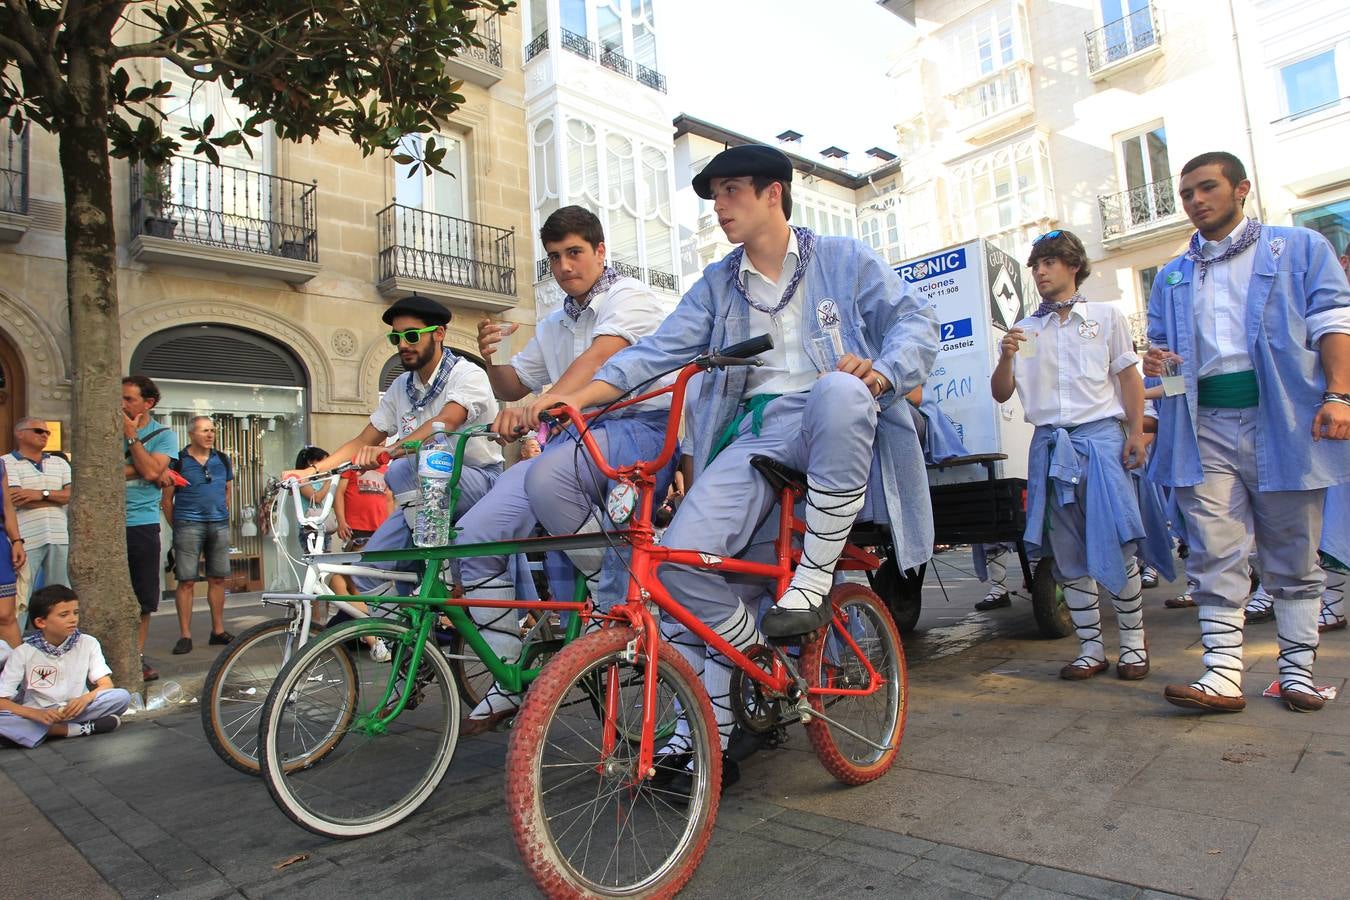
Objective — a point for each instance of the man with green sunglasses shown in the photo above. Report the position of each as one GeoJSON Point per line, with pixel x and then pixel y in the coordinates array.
{"type": "Point", "coordinates": [436, 386]}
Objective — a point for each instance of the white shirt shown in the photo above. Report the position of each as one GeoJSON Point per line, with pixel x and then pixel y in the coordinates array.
{"type": "Point", "coordinates": [53, 680]}
{"type": "Point", "coordinates": [787, 369]}
{"type": "Point", "coordinates": [1221, 308]}
{"type": "Point", "coordinates": [467, 385]}
{"type": "Point", "coordinates": [1071, 379]}
{"type": "Point", "coordinates": [45, 525]}
{"type": "Point", "coordinates": [627, 310]}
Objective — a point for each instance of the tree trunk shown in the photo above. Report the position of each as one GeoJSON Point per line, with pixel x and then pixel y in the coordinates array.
{"type": "Point", "coordinates": [98, 560]}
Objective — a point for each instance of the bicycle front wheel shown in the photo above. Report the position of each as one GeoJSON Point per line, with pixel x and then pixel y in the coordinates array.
{"type": "Point", "coordinates": [862, 629]}
{"type": "Point", "coordinates": [236, 688]}
{"type": "Point", "coordinates": [586, 822]}
{"type": "Point", "coordinates": [336, 758]}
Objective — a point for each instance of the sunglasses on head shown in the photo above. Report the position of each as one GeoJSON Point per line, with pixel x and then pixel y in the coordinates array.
{"type": "Point", "coordinates": [1048, 235]}
{"type": "Point", "coordinates": [411, 336]}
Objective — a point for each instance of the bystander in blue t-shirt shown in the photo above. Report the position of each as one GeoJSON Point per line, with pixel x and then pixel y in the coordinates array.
{"type": "Point", "coordinates": [143, 496]}
{"type": "Point", "coordinates": [203, 500]}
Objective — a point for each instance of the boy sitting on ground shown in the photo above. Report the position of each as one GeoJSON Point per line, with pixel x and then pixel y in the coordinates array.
{"type": "Point", "coordinates": [55, 667]}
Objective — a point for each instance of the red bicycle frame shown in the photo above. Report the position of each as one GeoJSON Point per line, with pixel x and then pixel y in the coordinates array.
{"type": "Point", "coordinates": [647, 556]}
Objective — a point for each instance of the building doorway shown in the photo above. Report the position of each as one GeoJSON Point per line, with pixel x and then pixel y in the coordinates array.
{"type": "Point", "coordinates": [258, 393]}
{"type": "Point", "coordinates": [13, 392]}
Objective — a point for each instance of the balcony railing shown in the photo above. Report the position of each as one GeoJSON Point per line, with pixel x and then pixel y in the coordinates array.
{"type": "Point", "coordinates": [14, 173]}
{"type": "Point", "coordinates": [429, 246]}
{"type": "Point", "coordinates": [655, 277]}
{"type": "Point", "coordinates": [992, 97]}
{"type": "Point", "coordinates": [195, 202]}
{"type": "Point", "coordinates": [616, 62]}
{"type": "Point", "coordinates": [487, 30]}
{"type": "Point", "coordinates": [1138, 207]}
{"type": "Point", "coordinates": [536, 46]}
{"type": "Point", "coordinates": [651, 78]}
{"type": "Point", "coordinates": [578, 44]}
{"type": "Point", "coordinates": [1121, 39]}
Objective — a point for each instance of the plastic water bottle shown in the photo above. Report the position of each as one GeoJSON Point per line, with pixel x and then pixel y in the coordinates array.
{"type": "Point", "coordinates": [435, 462]}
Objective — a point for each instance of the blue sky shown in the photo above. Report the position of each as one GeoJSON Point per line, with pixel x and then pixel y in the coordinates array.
{"type": "Point", "coordinates": [762, 66]}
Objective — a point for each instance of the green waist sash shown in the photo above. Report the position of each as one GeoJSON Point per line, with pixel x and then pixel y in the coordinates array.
{"type": "Point", "coordinates": [754, 408]}
{"type": "Point", "coordinates": [1235, 390]}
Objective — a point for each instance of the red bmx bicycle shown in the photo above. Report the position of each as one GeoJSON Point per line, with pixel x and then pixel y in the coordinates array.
{"type": "Point", "coordinates": [589, 815]}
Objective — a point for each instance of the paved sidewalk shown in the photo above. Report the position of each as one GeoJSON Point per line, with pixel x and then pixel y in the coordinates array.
{"type": "Point", "coordinates": [1011, 783]}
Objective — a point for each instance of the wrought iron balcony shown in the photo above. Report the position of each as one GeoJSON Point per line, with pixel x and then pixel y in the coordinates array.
{"type": "Point", "coordinates": [14, 173]}
{"type": "Point", "coordinates": [541, 270]}
{"type": "Point", "coordinates": [427, 246]}
{"type": "Point", "coordinates": [193, 201]}
{"type": "Point", "coordinates": [651, 78]}
{"type": "Point", "coordinates": [536, 46]}
{"type": "Point", "coordinates": [1121, 39]}
{"type": "Point", "coordinates": [655, 277]}
{"type": "Point", "coordinates": [578, 44]}
{"type": "Point", "coordinates": [1137, 208]}
{"type": "Point", "coordinates": [487, 30]}
{"type": "Point", "coordinates": [616, 62]}
{"type": "Point", "coordinates": [665, 280]}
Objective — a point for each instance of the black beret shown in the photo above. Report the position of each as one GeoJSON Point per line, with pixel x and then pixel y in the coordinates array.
{"type": "Point", "coordinates": [424, 308]}
{"type": "Point", "coordinates": [735, 162]}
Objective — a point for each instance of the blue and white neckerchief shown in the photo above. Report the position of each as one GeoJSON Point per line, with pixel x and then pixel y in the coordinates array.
{"type": "Point", "coordinates": [416, 401]}
{"type": "Point", "coordinates": [806, 248]}
{"type": "Point", "coordinates": [1047, 307]}
{"type": "Point", "coordinates": [574, 307]}
{"type": "Point", "coordinates": [37, 640]}
{"type": "Point", "coordinates": [1244, 240]}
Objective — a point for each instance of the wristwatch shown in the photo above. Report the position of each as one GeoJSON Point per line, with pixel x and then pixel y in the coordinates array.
{"type": "Point", "coordinates": [46, 495]}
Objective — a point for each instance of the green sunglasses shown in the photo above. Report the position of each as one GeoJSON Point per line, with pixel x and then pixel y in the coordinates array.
{"type": "Point", "coordinates": [411, 336]}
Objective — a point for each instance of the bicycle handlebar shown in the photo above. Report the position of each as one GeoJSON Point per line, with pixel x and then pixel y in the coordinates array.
{"type": "Point", "coordinates": [735, 355]}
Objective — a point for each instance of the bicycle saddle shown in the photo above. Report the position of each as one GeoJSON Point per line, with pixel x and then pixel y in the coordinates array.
{"type": "Point", "coordinates": [777, 474]}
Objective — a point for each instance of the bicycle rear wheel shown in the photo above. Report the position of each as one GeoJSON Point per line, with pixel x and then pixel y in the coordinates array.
{"type": "Point", "coordinates": [588, 824]}
{"type": "Point", "coordinates": [861, 628]}
{"type": "Point", "coordinates": [236, 688]}
{"type": "Point", "coordinates": [372, 773]}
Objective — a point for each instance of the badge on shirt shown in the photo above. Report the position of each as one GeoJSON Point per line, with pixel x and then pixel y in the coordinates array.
{"type": "Point", "coordinates": [1173, 277]}
{"type": "Point", "coordinates": [407, 424]}
{"type": "Point", "coordinates": [1276, 247]}
{"type": "Point", "coordinates": [1089, 329]}
{"type": "Point", "coordinates": [827, 313]}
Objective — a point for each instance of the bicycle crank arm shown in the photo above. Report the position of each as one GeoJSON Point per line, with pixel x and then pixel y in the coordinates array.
{"type": "Point", "coordinates": [807, 713]}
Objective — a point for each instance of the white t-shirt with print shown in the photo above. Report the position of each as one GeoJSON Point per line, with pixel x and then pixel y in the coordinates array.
{"type": "Point", "coordinates": [44, 525]}
{"type": "Point", "coordinates": [49, 681]}
{"type": "Point", "coordinates": [467, 385]}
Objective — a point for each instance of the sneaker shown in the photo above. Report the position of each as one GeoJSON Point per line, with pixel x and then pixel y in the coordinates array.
{"type": "Point", "coordinates": [1148, 577]}
{"type": "Point", "coordinates": [1260, 608]}
{"type": "Point", "coordinates": [104, 724]}
{"type": "Point", "coordinates": [1181, 601]}
{"type": "Point", "coordinates": [379, 651]}
{"type": "Point", "coordinates": [223, 638]}
{"type": "Point", "coordinates": [148, 672]}
{"type": "Point", "coordinates": [184, 645]}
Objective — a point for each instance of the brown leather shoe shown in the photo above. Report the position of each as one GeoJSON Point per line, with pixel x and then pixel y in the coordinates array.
{"type": "Point", "coordinates": [472, 727]}
{"type": "Point", "coordinates": [1335, 625]}
{"type": "Point", "coordinates": [1302, 701]}
{"type": "Point", "coordinates": [1194, 698]}
{"type": "Point", "coordinates": [1073, 672]}
{"type": "Point", "coordinates": [1132, 671]}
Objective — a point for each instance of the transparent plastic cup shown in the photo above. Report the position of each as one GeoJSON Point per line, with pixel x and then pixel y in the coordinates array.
{"type": "Point", "coordinates": [1173, 384]}
{"type": "Point", "coordinates": [826, 349]}
{"type": "Point", "coordinates": [1031, 346]}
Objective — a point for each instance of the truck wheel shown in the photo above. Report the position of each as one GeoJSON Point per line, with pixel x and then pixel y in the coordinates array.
{"type": "Point", "coordinates": [903, 594]}
{"type": "Point", "coordinates": [1047, 602]}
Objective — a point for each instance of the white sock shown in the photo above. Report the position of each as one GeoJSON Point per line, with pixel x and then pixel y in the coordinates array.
{"type": "Point", "coordinates": [501, 629]}
{"type": "Point", "coordinates": [829, 519]}
{"type": "Point", "coordinates": [1221, 636]}
{"type": "Point", "coordinates": [79, 729]}
{"type": "Point", "coordinates": [739, 631]}
{"type": "Point", "coordinates": [1333, 599]}
{"type": "Point", "coordinates": [1130, 618]}
{"type": "Point", "coordinates": [1080, 595]}
{"type": "Point", "coordinates": [408, 501]}
{"type": "Point", "coordinates": [694, 652]}
{"type": "Point", "coordinates": [996, 564]}
{"type": "Point", "coordinates": [589, 561]}
{"type": "Point", "coordinates": [1296, 633]}
{"type": "Point", "coordinates": [494, 701]}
